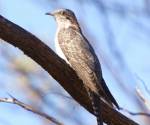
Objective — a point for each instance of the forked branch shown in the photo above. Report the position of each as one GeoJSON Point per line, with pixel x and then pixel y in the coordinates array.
{"type": "Point", "coordinates": [15, 101]}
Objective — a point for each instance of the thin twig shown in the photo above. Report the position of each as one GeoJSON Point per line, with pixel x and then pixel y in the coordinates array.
{"type": "Point", "coordinates": [13, 100]}
{"type": "Point", "coordinates": [144, 84]}
{"type": "Point", "coordinates": [141, 96]}
{"type": "Point", "coordinates": [135, 113]}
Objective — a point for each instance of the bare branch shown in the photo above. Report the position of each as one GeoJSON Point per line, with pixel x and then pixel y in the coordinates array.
{"type": "Point", "coordinates": [144, 84]}
{"type": "Point", "coordinates": [135, 113]}
{"type": "Point", "coordinates": [13, 100]}
{"type": "Point", "coordinates": [141, 96]}
{"type": "Point", "coordinates": [57, 68]}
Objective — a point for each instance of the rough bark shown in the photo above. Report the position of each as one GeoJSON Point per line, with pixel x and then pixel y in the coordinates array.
{"type": "Point", "coordinates": [57, 68]}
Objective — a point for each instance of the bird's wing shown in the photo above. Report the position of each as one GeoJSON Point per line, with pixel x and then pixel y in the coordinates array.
{"type": "Point", "coordinates": [83, 60]}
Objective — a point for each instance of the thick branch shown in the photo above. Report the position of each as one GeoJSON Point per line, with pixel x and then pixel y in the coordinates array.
{"type": "Point", "coordinates": [57, 68]}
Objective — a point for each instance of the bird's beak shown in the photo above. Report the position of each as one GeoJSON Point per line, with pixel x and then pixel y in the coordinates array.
{"type": "Point", "coordinates": [51, 14]}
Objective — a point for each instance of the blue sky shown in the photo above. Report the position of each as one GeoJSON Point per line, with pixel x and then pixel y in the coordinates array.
{"type": "Point", "coordinates": [125, 48]}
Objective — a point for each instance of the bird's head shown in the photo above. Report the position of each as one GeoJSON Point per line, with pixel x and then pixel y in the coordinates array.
{"type": "Point", "coordinates": [64, 17]}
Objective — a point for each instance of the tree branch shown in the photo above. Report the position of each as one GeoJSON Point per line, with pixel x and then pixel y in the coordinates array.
{"type": "Point", "coordinates": [13, 100]}
{"type": "Point", "coordinates": [136, 113]}
{"type": "Point", "coordinates": [57, 68]}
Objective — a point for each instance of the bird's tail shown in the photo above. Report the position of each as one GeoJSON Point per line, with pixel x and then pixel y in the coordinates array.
{"type": "Point", "coordinates": [108, 96]}
{"type": "Point", "coordinates": [96, 107]}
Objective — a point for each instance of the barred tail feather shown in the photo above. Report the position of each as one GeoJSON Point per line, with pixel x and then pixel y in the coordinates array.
{"type": "Point", "coordinates": [96, 107]}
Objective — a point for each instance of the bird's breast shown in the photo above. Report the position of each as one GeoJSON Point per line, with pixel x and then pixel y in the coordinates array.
{"type": "Point", "coordinates": [58, 48]}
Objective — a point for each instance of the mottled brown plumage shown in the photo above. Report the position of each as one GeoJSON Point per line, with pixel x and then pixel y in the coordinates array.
{"type": "Point", "coordinates": [80, 55]}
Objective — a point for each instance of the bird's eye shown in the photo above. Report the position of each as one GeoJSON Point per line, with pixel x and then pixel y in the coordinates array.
{"type": "Point", "coordinates": [63, 13]}
{"type": "Point", "coordinates": [67, 17]}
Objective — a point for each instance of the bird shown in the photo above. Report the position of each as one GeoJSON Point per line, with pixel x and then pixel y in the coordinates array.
{"type": "Point", "coordinates": [72, 46]}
